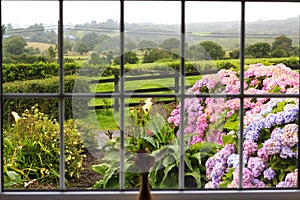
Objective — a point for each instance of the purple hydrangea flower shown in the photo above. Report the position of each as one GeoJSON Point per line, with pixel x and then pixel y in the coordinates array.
{"type": "Point", "coordinates": [269, 174]}
{"type": "Point", "coordinates": [287, 152]}
{"type": "Point", "coordinates": [257, 165]}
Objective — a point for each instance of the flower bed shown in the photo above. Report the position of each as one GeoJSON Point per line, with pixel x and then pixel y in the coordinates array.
{"type": "Point", "coordinates": [270, 142]}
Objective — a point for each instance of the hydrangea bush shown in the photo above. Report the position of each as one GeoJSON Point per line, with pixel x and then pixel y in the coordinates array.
{"type": "Point", "coordinates": [270, 132]}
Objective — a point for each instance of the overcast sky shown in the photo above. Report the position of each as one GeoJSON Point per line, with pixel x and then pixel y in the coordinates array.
{"type": "Point", "coordinates": [27, 13]}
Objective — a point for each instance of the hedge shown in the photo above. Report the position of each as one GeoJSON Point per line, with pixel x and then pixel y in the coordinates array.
{"type": "Point", "coordinates": [46, 105]}
{"type": "Point", "coordinates": [25, 71]}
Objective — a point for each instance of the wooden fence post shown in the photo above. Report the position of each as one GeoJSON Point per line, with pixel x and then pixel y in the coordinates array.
{"type": "Point", "coordinates": [116, 90]}
{"type": "Point", "coordinates": [176, 83]}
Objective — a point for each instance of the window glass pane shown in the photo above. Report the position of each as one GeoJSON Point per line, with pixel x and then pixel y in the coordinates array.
{"type": "Point", "coordinates": [272, 39]}
{"type": "Point", "coordinates": [30, 144]}
{"type": "Point", "coordinates": [212, 42]}
{"type": "Point", "coordinates": [152, 45]}
{"type": "Point", "coordinates": [211, 135]}
{"type": "Point", "coordinates": [91, 145]}
{"type": "Point", "coordinates": [91, 44]}
{"type": "Point", "coordinates": [271, 143]}
{"type": "Point", "coordinates": [151, 145]}
{"type": "Point", "coordinates": [30, 45]}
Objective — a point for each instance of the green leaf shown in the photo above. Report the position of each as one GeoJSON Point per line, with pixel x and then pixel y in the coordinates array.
{"type": "Point", "coordinates": [149, 140]}
{"type": "Point", "coordinates": [188, 162]}
{"type": "Point", "coordinates": [196, 175]}
{"type": "Point", "coordinates": [228, 139]}
{"type": "Point", "coordinates": [275, 89]}
{"type": "Point", "coordinates": [101, 168]}
{"type": "Point", "coordinates": [281, 176]}
{"type": "Point", "coordinates": [224, 184]}
{"type": "Point", "coordinates": [112, 155]}
{"type": "Point", "coordinates": [231, 125]}
{"type": "Point", "coordinates": [279, 107]}
{"type": "Point", "coordinates": [13, 176]}
{"type": "Point", "coordinates": [107, 177]}
{"type": "Point", "coordinates": [166, 172]}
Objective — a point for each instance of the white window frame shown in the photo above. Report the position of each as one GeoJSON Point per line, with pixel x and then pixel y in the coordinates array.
{"type": "Point", "coordinates": [181, 193]}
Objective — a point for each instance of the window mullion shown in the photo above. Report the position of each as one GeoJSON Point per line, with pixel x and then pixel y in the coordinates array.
{"type": "Point", "coordinates": [122, 104]}
{"type": "Point", "coordinates": [182, 97]}
{"type": "Point", "coordinates": [241, 113]}
{"type": "Point", "coordinates": [61, 100]}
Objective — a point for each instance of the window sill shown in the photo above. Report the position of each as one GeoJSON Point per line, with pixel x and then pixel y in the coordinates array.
{"type": "Point", "coordinates": [157, 195]}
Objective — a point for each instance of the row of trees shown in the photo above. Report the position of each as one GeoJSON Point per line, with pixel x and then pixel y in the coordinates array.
{"type": "Point", "coordinates": [104, 49]}
{"type": "Point", "coordinates": [281, 47]}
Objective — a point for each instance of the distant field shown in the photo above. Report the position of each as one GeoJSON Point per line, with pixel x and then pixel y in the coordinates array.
{"type": "Point", "coordinates": [41, 46]}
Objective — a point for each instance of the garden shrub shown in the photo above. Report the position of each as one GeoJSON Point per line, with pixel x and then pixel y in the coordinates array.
{"type": "Point", "coordinates": [31, 149]}
{"type": "Point", "coordinates": [270, 127]}
{"type": "Point", "coordinates": [46, 105]}
{"type": "Point", "coordinates": [40, 70]}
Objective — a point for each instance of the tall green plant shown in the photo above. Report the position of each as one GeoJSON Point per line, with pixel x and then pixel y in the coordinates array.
{"type": "Point", "coordinates": [31, 150]}
{"type": "Point", "coordinates": [149, 132]}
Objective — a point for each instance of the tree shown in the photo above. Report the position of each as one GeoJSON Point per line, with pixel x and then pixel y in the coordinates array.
{"type": "Point", "coordinates": [171, 44]}
{"type": "Point", "coordinates": [81, 48]}
{"type": "Point", "coordinates": [52, 52]}
{"type": "Point", "coordinates": [284, 43]}
{"type": "Point", "coordinates": [32, 51]}
{"type": "Point", "coordinates": [196, 52]}
{"type": "Point", "coordinates": [130, 58]}
{"type": "Point", "coordinates": [214, 50]}
{"type": "Point", "coordinates": [155, 55]}
{"type": "Point", "coordinates": [146, 45]}
{"type": "Point", "coordinates": [129, 46]}
{"type": "Point", "coordinates": [279, 53]}
{"type": "Point", "coordinates": [90, 40]}
{"type": "Point", "coordinates": [95, 59]}
{"type": "Point", "coordinates": [259, 50]}
{"type": "Point", "coordinates": [235, 54]}
{"type": "Point", "coordinates": [14, 45]}
{"type": "Point", "coordinates": [296, 51]}
{"type": "Point", "coordinates": [3, 29]}
{"type": "Point", "coordinates": [68, 45]}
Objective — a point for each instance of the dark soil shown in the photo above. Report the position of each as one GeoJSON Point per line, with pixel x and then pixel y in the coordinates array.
{"type": "Point", "coordinates": [87, 177]}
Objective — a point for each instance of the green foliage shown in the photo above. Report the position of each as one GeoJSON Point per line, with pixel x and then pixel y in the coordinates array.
{"type": "Point", "coordinates": [95, 59]}
{"type": "Point", "coordinates": [146, 45]}
{"type": "Point", "coordinates": [3, 29]}
{"type": "Point", "coordinates": [150, 133]}
{"type": "Point", "coordinates": [26, 57]}
{"type": "Point", "coordinates": [259, 50]}
{"type": "Point", "coordinates": [41, 70]}
{"type": "Point", "coordinates": [81, 48]}
{"type": "Point", "coordinates": [155, 55]}
{"type": "Point", "coordinates": [50, 53]}
{"type": "Point", "coordinates": [171, 44]}
{"type": "Point", "coordinates": [214, 50]}
{"type": "Point", "coordinates": [73, 107]}
{"type": "Point", "coordinates": [87, 133]}
{"type": "Point", "coordinates": [282, 42]}
{"type": "Point", "coordinates": [14, 45]}
{"type": "Point", "coordinates": [31, 150]}
{"type": "Point", "coordinates": [130, 58]}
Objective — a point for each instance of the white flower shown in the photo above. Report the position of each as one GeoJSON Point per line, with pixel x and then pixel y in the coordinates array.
{"type": "Point", "coordinates": [147, 105]}
{"type": "Point", "coordinates": [16, 116]}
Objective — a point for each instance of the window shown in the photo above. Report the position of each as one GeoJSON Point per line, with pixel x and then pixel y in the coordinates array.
{"type": "Point", "coordinates": [87, 84]}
